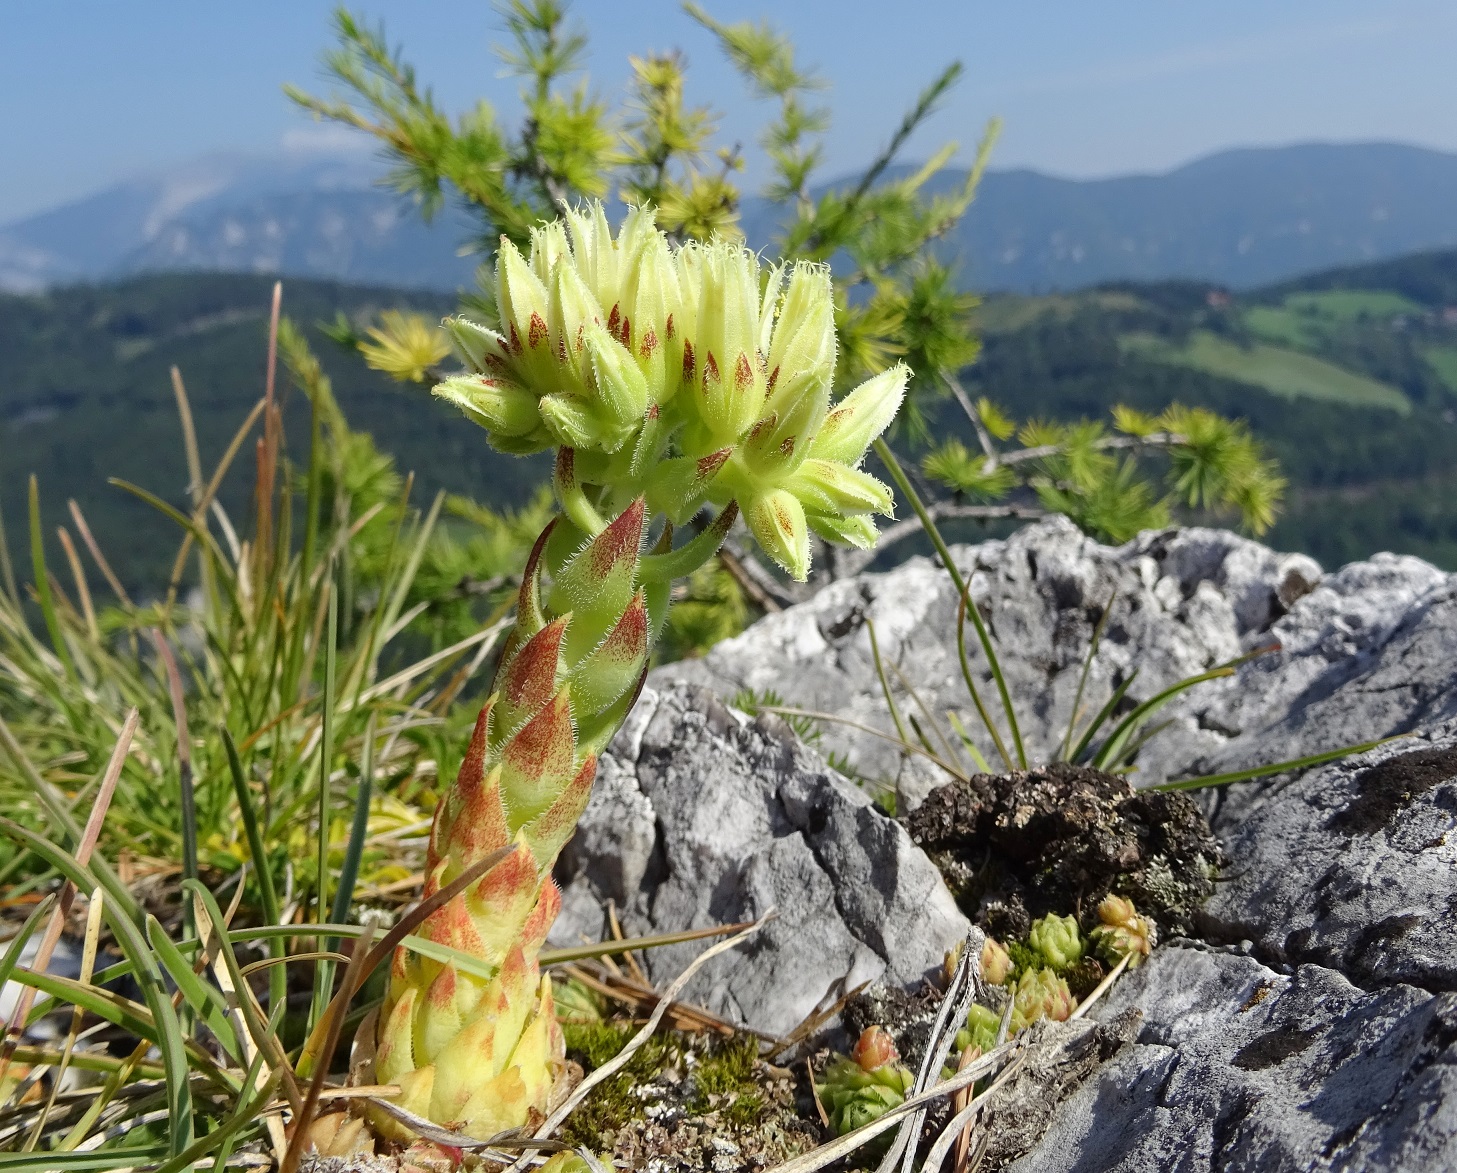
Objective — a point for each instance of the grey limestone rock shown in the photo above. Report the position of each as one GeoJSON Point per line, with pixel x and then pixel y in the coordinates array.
{"type": "Point", "coordinates": [1238, 1067]}
{"type": "Point", "coordinates": [1314, 1027]}
{"type": "Point", "coordinates": [1363, 653]}
{"type": "Point", "coordinates": [702, 817]}
{"type": "Point", "coordinates": [1354, 867]}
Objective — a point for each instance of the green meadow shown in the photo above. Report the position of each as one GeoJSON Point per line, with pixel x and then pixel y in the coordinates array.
{"type": "Point", "coordinates": [1277, 369]}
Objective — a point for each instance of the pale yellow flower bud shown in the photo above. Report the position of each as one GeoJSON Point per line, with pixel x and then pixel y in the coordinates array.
{"type": "Point", "coordinates": [1123, 932]}
{"type": "Point", "coordinates": [478, 347]}
{"type": "Point", "coordinates": [858, 531]}
{"type": "Point", "coordinates": [861, 416]}
{"type": "Point", "coordinates": [828, 487]}
{"type": "Point", "coordinates": [778, 523]}
{"type": "Point", "coordinates": [996, 962]}
{"type": "Point", "coordinates": [495, 404]}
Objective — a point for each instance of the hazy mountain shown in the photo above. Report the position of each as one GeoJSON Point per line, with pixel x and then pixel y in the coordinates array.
{"type": "Point", "coordinates": [1241, 218]}
{"type": "Point", "coordinates": [304, 216]}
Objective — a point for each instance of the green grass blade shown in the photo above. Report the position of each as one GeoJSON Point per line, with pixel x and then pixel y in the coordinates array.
{"type": "Point", "coordinates": [43, 583]}
{"type": "Point", "coordinates": [324, 971]}
{"type": "Point", "coordinates": [921, 734]}
{"type": "Point", "coordinates": [1101, 717]}
{"type": "Point", "coordinates": [931, 721]}
{"type": "Point", "coordinates": [976, 755]}
{"type": "Point", "coordinates": [170, 1039]}
{"type": "Point", "coordinates": [278, 980]}
{"type": "Point", "coordinates": [465, 962]}
{"type": "Point", "coordinates": [246, 1114]}
{"type": "Point", "coordinates": [200, 533]}
{"type": "Point", "coordinates": [123, 1012]}
{"type": "Point", "coordinates": [1250, 775]}
{"type": "Point", "coordinates": [358, 830]}
{"type": "Point", "coordinates": [389, 614]}
{"type": "Point", "coordinates": [963, 588]}
{"type": "Point", "coordinates": [895, 714]}
{"type": "Point", "coordinates": [206, 1001]}
{"type": "Point", "coordinates": [225, 1150]}
{"type": "Point", "coordinates": [123, 1158]}
{"type": "Point", "coordinates": [88, 1061]}
{"type": "Point", "coordinates": [288, 932]}
{"type": "Point", "coordinates": [7, 966]}
{"type": "Point", "coordinates": [1072, 720]}
{"type": "Point", "coordinates": [963, 605]}
{"type": "Point", "coordinates": [263, 1035]}
{"type": "Point", "coordinates": [628, 944]}
{"type": "Point", "coordinates": [314, 491]}
{"type": "Point", "coordinates": [187, 796]}
{"type": "Point", "coordinates": [1146, 733]}
{"type": "Point", "coordinates": [1108, 753]}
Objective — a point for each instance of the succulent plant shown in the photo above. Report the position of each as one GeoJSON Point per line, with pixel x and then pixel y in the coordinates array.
{"type": "Point", "coordinates": [996, 962]}
{"type": "Point", "coordinates": [1123, 932]}
{"type": "Point", "coordinates": [865, 1085]}
{"type": "Point", "coordinates": [981, 1029]}
{"type": "Point", "coordinates": [576, 1003]}
{"type": "Point", "coordinates": [669, 378]}
{"type": "Point", "coordinates": [566, 1163]}
{"type": "Point", "coordinates": [1040, 993]}
{"type": "Point", "coordinates": [1056, 940]}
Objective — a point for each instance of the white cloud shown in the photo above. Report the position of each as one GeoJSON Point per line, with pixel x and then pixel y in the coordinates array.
{"type": "Point", "coordinates": [325, 138]}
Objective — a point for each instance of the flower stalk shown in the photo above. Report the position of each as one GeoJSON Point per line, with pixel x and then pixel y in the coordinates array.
{"type": "Point", "coordinates": [671, 380]}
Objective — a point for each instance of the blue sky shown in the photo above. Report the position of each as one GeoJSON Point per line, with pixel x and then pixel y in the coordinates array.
{"type": "Point", "coordinates": [95, 90]}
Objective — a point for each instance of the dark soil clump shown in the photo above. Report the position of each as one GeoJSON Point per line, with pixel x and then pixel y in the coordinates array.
{"type": "Point", "coordinates": [1059, 838]}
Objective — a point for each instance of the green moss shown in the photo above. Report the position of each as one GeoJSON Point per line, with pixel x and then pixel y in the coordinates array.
{"type": "Point", "coordinates": [594, 1043]}
{"type": "Point", "coordinates": [723, 1082]}
{"type": "Point", "coordinates": [1024, 958]}
{"type": "Point", "coordinates": [615, 1101]}
{"type": "Point", "coordinates": [728, 1068]}
{"type": "Point", "coordinates": [596, 1120]}
{"type": "Point", "coordinates": [746, 1110]}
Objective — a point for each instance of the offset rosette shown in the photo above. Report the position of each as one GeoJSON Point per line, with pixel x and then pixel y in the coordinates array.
{"type": "Point", "coordinates": [689, 374]}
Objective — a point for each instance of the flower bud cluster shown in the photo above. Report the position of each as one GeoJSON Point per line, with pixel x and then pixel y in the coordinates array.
{"type": "Point", "coordinates": [1123, 932]}
{"type": "Point", "coordinates": [686, 373]}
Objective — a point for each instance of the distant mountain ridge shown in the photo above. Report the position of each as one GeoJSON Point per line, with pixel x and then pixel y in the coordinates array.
{"type": "Point", "coordinates": [1241, 218]}
{"type": "Point", "coordinates": [292, 215]}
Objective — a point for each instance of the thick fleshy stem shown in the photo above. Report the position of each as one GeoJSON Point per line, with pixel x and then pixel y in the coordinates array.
{"type": "Point", "coordinates": [475, 1042]}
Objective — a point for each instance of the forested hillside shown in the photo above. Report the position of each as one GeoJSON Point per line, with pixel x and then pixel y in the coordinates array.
{"type": "Point", "coordinates": [1349, 376]}
{"type": "Point", "coordinates": [85, 394]}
